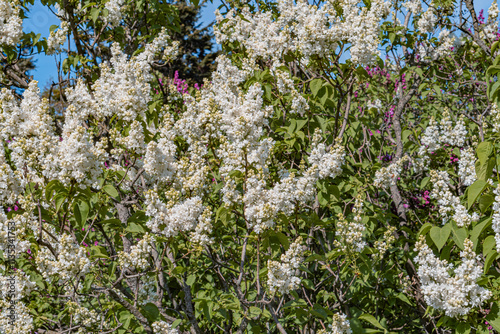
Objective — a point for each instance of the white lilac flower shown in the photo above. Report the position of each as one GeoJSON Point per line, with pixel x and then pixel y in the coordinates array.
{"type": "Point", "coordinates": [307, 29]}
{"type": "Point", "coordinates": [71, 261]}
{"type": "Point", "coordinates": [350, 234]}
{"type": "Point", "coordinates": [161, 327]}
{"type": "Point", "coordinates": [449, 204]}
{"type": "Point", "coordinates": [11, 24]}
{"type": "Point", "coordinates": [454, 294]}
{"type": "Point", "coordinates": [57, 38]}
{"type": "Point", "coordinates": [466, 166]}
{"type": "Point", "coordinates": [138, 256]}
{"type": "Point", "coordinates": [281, 274]}
{"type": "Point", "coordinates": [496, 218]}
{"type": "Point", "coordinates": [387, 176]}
{"type": "Point", "coordinates": [23, 321]}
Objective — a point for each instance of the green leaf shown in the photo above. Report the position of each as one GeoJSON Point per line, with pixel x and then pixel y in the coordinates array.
{"type": "Point", "coordinates": [474, 191]}
{"type": "Point", "coordinates": [463, 328]}
{"type": "Point", "coordinates": [59, 199]}
{"type": "Point", "coordinates": [440, 235]}
{"type": "Point", "coordinates": [99, 252]}
{"type": "Point", "coordinates": [424, 182]}
{"type": "Point", "coordinates": [459, 235]}
{"type": "Point", "coordinates": [371, 319]}
{"type": "Point", "coordinates": [94, 13]}
{"type": "Point", "coordinates": [283, 240]}
{"type": "Point", "coordinates": [178, 270]}
{"type": "Point", "coordinates": [488, 244]}
{"type": "Point", "coordinates": [222, 215]}
{"type": "Point", "coordinates": [315, 86]}
{"type": "Point", "coordinates": [425, 229]}
{"type": "Point", "coordinates": [112, 268]}
{"type": "Point", "coordinates": [135, 228]}
{"type": "Point", "coordinates": [125, 318]}
{"type": "Point", "coordinates": [53, 186]}
{"type": "Point", "coordinates": [483, 151]}
{"type": "Point", "coordinates": [111, 191]}
{"type": "Point", "coordinates": [191, 279]}
{"type": "Point", "coordinates": [308, 284]}
{"type": "Point", "coordinates": [176, 323]}
{"type": "Point", "coordinates": [83, 212]}
{"type": "Point", "coordinates": [77, 214]}
{"type": "Point", "coordinates": [112, 222]}
{"type": "Point", "coordinates": [478, 229]}
{"type": "Point", "coordinates": [492, 256]}
{"type": "Point", "coordinates": [494, 316]}
{"type": "Point", "coordinates": [483, 171]}
{"type": "Point", "coordinates": [485, 202]}
{"type": "Point", "coordinates": [403, 297]}
{"type": "Point", "coordinates": [151, 312]}
{"type": "Point", "coordinates": [319, 312]}
{"type": "Point", "coordinates": [254, 312]}
{"type": "Point", "coordinates": [53, 27]}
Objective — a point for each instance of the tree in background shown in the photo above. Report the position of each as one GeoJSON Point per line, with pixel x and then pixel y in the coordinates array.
{"type": "Point", "coordinates": [196, 48]}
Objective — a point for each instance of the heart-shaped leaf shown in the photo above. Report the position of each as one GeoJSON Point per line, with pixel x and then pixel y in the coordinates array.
{"type": "Point", "coordinates": [439, 235]}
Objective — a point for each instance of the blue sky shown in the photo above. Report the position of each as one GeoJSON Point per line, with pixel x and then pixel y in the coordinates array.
{"type": "Point", "coordinates": [40, 19]}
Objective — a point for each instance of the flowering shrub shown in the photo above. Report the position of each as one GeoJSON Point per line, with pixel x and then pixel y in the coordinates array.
{"type": "Point", "coordinates": [337, 174]}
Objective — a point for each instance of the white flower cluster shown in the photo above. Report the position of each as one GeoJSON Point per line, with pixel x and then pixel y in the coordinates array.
{"type": "Point", "coordinates": [71, 261]}
{"type": "Point", "coordinates": [495, 113]}
{"type": "Point", "coordinates": [413, 6]}
{"type": "Point", "coordinates": [23, 225]}
{"type": "Point", "coordinates": [11, 24]}
{"type": "Point", "coordinates": [133, 142]}
{"type": "Point", "coordinates": [57, 38]}
{"type": "Point", "coordinates": [436, 136]}
{"type": "Point", "coordinates": [466, 166]}
{"type": "Point", "coordinates": [29, 131]}
{"type": "Point", "coordinates": [39, 154]}
{"type": "Point", "coordinates": [491, 28]}
{"type": "Point", "coordinates": [305, 28]}
{"type": "Point", "coordinates": [138, 256]}
{"type": "Point", "coordinates": [339, 325]}
{"type": "Point", "coordinates": [169, 220]}
{"type": "Point", "coordinates": [237, 119]}
{"type": "Point", "coordinates": [329, 163]}
{"type": "Point", "coordinates": [455, 295]}
{"type": "Point", "coordinates": [159, 161]}
{"type": "Point", "coordinates": [447, 42]}
{"type": "Point", "coordinates": [114, 8]}
{"type": "Point", "coordinates": [350, 234]}
{"type": "Point", "coordinates": [200, 235]}
{"type": "Point", "coordinates": [496, 218]}
{"type": "Point", "coordinates": [281, 274]}
{"type": "Point", "coordinates": [387, 176]}
{"type": "Point", "coordinates": [23, 321]}
{"type": "Point", "coordinates": [286, 86]}
{"type": "Point", "coordinates": [147, 292]}
{"type": "Point", "coordinates": [443, 47]}
{"type": "Point", "coordinates": [161, 327]}
{"type": "Point", "coordinates": [22, 285]}
{"type": "Point", "coordinates": [447, 202]}
{"type": "Point", "coordinates": [82, 316]}
{"type": "Point", "coordinates": [77, 156]}
{"type": "Point", "coordinates": [123, 88]}
{"type": "Point", "coordinates": [427, 21]}
{"type": "Point", "coordinates": [10, 187]}
{"type": "Point", "coordinates": [453, 135]}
